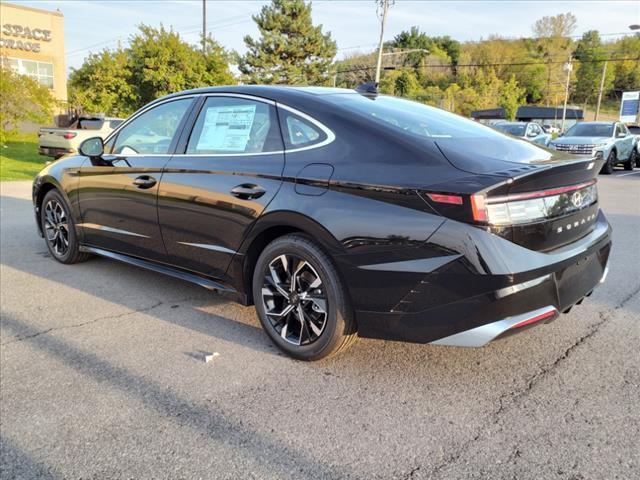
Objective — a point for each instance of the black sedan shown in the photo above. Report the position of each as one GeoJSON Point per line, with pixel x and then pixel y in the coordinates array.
{"type": "Point", "coordinates": [337, 213]}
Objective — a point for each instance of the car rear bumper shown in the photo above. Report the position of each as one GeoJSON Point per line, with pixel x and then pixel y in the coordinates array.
{"type": "Point", "coordinates": [54, 151]}
{"type": "Point", "coordinates": [553, 284]}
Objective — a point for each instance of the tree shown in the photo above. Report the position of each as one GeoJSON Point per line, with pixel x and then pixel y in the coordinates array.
{"type": "Point", "coordinates": [290, 50]}
{"type": "Point", "coordinates": [155, 63]}
{"type": "Point", "coordinates": [104, 84]}
{"type": "Point", "coordinates": [627, 72]}
{"type": "Point", "coordinates": [511, 97]}
{"type": "Point", "coordinates": [162, 63]}
{"type": "Point", "coordinates": [22, 99]}
{"type": "Point", "coordinates": [590, 53]}
{"type": "Point", "coordinates": [355, 69]}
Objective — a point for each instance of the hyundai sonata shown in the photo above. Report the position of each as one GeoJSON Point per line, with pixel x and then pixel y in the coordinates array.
{"type": "Point", "coordinates": [336, 213]}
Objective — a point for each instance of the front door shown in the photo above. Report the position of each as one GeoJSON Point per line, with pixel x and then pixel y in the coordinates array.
{"type": "Point", "coordinates": [118, 192]}
{"type": "Point", "coordinates": [229, 171]}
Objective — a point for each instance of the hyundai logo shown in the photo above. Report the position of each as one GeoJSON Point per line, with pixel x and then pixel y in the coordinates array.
{"type": "Point", "coordinates": [577, 199]}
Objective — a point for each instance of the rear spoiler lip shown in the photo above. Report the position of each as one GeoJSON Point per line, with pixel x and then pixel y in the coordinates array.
{"type": "Point", "coordinates": [540, 193]}
{"type": "Point", "coordinates": [590, 161]}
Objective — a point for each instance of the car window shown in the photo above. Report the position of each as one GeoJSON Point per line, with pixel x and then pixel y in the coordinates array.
{"type": "Point", "coordinates": [517, 130]}
{"type": "Point", "coordinates": [229, 125]}
{"type": "Point", "coordinates": [114, 123]}
{"type": "Point", "coordinates": [152, 131]}
{"type": "Point", "coordinates": [300, 132]}
{"type": "Point", "coordinates": [414, 118]}
{"type": "Point", "coordinates": [618, 130]}
{"type": "Point", "coordinates": [590, 130]}
{"type": "Point", "coordinates": [90, 124]}
{"type": "Point", "coordinates": [634, 130]}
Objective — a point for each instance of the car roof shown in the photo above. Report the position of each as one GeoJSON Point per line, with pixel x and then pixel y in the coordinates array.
{"type": "Point", "coordinates": [596, 123]}
{"type": "Point", "coordinates": [278, 93]}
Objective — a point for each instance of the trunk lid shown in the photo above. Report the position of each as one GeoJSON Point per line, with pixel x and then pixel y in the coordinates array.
{"type": "Point", "coordinates": [546, 199]}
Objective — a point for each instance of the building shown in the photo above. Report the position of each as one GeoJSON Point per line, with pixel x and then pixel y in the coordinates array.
{"type": "Point", "coordinates": [32, 43]}
{"type": "Point", "coordinates": [541, 115]}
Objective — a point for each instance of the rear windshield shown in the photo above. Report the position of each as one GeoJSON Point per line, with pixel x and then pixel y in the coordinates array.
{"type": "Point", "coordinates": [412, 117]}
{"type": "Point", "coordinates": [90, 124]}
{"type": "Point", "coordinates": [517, 130]}
{"type": "Point", "coordinates": [590, 130]}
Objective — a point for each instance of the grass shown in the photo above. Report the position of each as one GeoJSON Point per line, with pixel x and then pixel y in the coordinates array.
{"type": "Point", "coordinates": [19, 158]}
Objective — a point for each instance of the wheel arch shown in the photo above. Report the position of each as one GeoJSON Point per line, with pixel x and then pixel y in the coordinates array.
{"type": "Point", "coordinates": [268, 228]}
{"type": "Point", "coordinates": [44, 186]}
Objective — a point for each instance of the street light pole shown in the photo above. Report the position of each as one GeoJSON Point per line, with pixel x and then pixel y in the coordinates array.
{"type": "Point", "coordinates": [568, 67]}
{"type": "Point", "coordinates": [604, 73]}
{"type": "Point", "coordinates": [384, 5]}
{"type": "Point", "coordinates": [204, 27]}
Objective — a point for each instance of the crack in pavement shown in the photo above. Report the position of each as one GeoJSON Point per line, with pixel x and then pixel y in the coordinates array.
{"type": "Point", "coordinates": [78, 325]}
{"type": "Point", "coordinates": [512, 398]}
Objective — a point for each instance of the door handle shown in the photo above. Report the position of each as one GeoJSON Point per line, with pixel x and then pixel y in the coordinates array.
{"type": "Point", "coordinates": [247, 191]}
{"type": "Point", "coordinates": [144, 181]}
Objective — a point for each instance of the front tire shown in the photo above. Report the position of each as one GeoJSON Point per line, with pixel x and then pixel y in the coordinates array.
{"type": "Point", "coordinates": [301, 302]}
{"type": "Point", "coordinates": [612, 159]}
{"type": "Point", "coordinates": [59, 229]}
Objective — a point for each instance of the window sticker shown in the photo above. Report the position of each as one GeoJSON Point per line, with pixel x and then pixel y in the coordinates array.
{"type": "Point", "coordinates": [227, 128]}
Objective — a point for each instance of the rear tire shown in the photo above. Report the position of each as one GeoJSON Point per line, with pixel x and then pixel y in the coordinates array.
{"type": "Point", "coordinates": [629, 164]}
{"type": "Point", "coordinates": [612, 159]}
{"type": "Point", "coordinates": [60, 230]}
{"type": "Point", "coordinates": [295, 279]}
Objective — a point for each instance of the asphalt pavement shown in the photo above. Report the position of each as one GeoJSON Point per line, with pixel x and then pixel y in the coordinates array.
{"type": "Point", "coordinates": [102, 376]}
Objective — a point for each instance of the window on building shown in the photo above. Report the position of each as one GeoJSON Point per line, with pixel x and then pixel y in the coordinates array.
{"type": "Point", "coordinates": [42, 72]}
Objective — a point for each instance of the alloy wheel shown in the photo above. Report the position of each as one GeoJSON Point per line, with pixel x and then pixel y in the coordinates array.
{"type": "Point", "coordinates": [56, 227]}
{"type": "Point", "coordinates": [294, 300]}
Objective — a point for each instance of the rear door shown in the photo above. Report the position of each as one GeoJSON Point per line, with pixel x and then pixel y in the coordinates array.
{"type": "Point", "coordinates": [228, 170]}
{"type": "Point", "coordinates": [118, 192]}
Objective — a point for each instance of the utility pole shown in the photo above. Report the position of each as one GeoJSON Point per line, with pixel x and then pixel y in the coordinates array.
{"type": "Point", "coordinates": [384, 5]}
{"type": "Point", "coordinates": [568, 67]}
{"type": "Point", "coordinates": [604, 73]}
{"type": "Point", "coordinates": [204, 27]}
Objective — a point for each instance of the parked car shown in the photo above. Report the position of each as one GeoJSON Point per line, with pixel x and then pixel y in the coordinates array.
{"type": "Point", "coordinates": [635, 131]}
{"type": "Point", "coordinates": [550, 128]}
{"type": "Point", "coordinates": [336, 213]}
{"type": "Point", "coordinates": [526, 130]}
{"type": "Point", "coordinates": [56, 142]}
{"type": "Point", "coordinates": [609, 140]}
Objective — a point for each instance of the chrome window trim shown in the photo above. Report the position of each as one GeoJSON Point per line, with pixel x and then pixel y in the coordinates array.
{"type": "Point", "coordinates": [140, 112]}
{"type": "Point", "coordinates": [327, 131]}
{"type": "Point", "coordinates": [330, 136]}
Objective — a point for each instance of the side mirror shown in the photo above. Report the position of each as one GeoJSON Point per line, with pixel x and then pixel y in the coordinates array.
{"type": "Point", "coordinates": [621, 135]}
{"type": "Point", "coordinates": [92, 147]}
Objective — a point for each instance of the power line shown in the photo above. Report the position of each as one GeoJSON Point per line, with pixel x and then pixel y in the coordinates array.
{"type": "Point", "coordinates": [480, 65]}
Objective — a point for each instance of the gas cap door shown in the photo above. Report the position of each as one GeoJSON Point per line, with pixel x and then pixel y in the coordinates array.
{"type": "Point", "coordinates": [314, 179]}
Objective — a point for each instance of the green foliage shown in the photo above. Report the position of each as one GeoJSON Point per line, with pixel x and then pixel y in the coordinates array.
{"type": "Point", "coordinates": [511, 97]}
{"type": "Point", "coordinates": [155, 63]}
{"type": "Point", "coordinates": [627, 72]}
{"type": "Point", "coordinates": [589, 53]}
{"type": "Point", "coordinates": [104, 84]}
{"type": "Point", "coordinates": [355, 69]}
{"type": "Point", "coordinates": [290, 50]}
{"type": "Point", "coordinates": [22, 99]}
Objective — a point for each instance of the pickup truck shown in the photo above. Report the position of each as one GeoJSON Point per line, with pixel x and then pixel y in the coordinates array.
{"type": "Point", "coordinates": [56, 142]}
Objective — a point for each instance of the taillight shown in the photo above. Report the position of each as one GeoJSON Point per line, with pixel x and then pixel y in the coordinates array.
{"type": "Point", "coordinates": [69, 135]}
{"type": "Point", "coordinates": [532, 206]}
{"type": "Point", "coordinates": [443, 198]}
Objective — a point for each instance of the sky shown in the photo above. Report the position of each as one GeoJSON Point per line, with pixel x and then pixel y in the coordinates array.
{"type": "Point", "coordinates": [91, 25]}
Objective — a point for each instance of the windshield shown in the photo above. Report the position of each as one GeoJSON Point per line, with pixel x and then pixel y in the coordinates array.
{"type": "Point", "coordinates": [590, 130]}
{"type": "Point", "coordinates": [511, 129]}
{"type": "Point", "coordinates": [412, 117]}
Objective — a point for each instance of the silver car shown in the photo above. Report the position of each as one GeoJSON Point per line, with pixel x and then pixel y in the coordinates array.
{"type": "Point", "coordinates": [609, 140]}
{"type": "Point", "coordinates": [526, 130]}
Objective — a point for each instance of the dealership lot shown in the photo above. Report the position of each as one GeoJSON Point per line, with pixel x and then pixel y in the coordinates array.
{"type": "Point", "coordinates": [102, 376]}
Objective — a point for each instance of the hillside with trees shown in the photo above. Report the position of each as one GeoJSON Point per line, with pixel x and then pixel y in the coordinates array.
{"type": "Point", "coordinates": [438, 70]}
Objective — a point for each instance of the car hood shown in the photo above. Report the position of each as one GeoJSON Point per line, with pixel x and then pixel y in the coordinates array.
{"type": "Point", "coordinates": [580, 140]}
